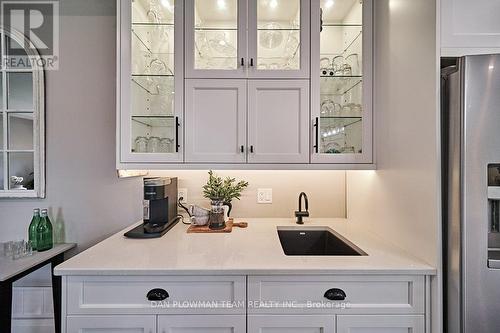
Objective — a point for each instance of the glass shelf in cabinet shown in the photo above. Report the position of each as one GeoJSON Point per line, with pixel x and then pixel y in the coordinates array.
{"type": "Point", "coordinates": [158, 38]}
{"type": "Point", "coordinates": [341, 122]}
{"type": "Point", "coordinates": [153, 24]}
{"type": "Point", "coordinates": [353, 41]}
{"type": "Point", "coordinates": [341, 117]}
{"type": "Point", "coordinates": [155, 121]}
{"type": "Point", "coordinates": [342, 25]}
{"type": "Point", "coordinates": [153, 75]}
{"type": "Point", "coordinates": [335, 85]}
{"type": "Point", "coordinates": [278, 29]}
{"type": "Point", "coordinates": [153, 84]}
{"type": "Point", "coordinates": [342, 76]}
{"type": "Point", "coordinates": [214, 29]}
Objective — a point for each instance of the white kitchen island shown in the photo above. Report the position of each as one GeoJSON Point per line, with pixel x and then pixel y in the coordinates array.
{"type": "Point", "coordinates": [243, 282]}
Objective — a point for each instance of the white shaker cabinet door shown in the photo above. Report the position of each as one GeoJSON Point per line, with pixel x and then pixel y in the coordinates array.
{"type": "Point", "coordinates": [291, 324]}
{"type": "Point", "coordinates": [470, 27]}
{"type": "Point", "coordinates": [111, 324]}
{"type": "Point", "coordinates": [215, 121]}
{"type": "Point", "coordinates": [202, 324]}
{"type": "Point", "coordinates": [380, 324]}
{"type": "Point", "coordinates": [278, 121]}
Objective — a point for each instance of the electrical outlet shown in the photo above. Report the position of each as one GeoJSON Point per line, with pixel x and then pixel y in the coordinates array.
{"type": "Point", "coordinates": [265, 195]}
{"type": "Point", "coordinates": [183, 192]}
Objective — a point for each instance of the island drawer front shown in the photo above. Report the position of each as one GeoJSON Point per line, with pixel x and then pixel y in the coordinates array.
{"type": "Point", "coordinates": [128, 294]}
{"type": "Point", "coordinates": [306, 294]}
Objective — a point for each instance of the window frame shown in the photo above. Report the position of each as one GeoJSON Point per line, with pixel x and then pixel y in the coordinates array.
{"type": "Point", "coordinates": [38, 117]}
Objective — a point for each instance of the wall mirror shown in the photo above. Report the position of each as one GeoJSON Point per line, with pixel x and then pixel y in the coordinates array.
{"type": "Point", "coordinates": [22, 133]}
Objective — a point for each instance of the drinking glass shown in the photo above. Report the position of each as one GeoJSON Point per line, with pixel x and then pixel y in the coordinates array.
{"type": "Point", "coordinates": [337, 65]}
{"type": "Point", "coordinates": [154, 144]}
{"type": "Point", "coordinates": [271, 37]}
{"type": "Point", "coordinates": [324, 65]}
{"type": "Point", "coordinates": [166, 145]}
{"type": "Point", "coordinates": [141, 144]}
{"type": "Point", "coordinates": [353, 61]}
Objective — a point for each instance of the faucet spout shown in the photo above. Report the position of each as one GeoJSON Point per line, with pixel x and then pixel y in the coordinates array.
{"type": "Point", "coordinates": [300, 214]}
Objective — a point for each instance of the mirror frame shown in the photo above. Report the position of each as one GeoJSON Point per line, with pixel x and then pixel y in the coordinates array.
{"type": "Point", "coordinates": [38, 117]}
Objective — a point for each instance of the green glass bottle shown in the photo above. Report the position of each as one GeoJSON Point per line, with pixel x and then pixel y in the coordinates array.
{"type": "Point", "coordinates": [44, 240]}
{"type": "Point", "coordinates": [32, 228]}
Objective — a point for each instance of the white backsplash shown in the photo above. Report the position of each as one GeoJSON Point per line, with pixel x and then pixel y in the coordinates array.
{"type": "Point", "coordinates": [325, 190]}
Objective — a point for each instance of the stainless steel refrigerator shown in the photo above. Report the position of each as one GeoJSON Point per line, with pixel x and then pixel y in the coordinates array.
{"type": "Point", "coordinates": [470, 111]}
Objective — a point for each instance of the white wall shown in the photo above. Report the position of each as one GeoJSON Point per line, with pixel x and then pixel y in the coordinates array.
{"type": "Point", "coordinates": [400, 200]}
{"type": "Point", "coordinates": [82, 187]}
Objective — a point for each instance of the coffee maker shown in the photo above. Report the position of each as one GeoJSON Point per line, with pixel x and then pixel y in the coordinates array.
{"type": "Point", "coordinates": [159, 208]}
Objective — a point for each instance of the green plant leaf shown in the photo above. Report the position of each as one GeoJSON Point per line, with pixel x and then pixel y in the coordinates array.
{"type": "Point", "coordinates": [226, 189]}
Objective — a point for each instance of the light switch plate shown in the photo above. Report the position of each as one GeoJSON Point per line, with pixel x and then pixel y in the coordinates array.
{"type": "Point", "coordinates": [183, 192]}
{"type": "Point", "coordinates": [265, 195]}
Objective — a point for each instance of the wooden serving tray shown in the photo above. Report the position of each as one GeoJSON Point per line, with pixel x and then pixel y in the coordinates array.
{"type": "Point", "coordinates": [205, 229]}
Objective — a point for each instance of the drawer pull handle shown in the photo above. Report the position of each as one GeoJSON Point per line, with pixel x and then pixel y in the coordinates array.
{"type": "Point", "coordinates": [335, 294]}
{"type": "Point", "coordinates": [157, 294]}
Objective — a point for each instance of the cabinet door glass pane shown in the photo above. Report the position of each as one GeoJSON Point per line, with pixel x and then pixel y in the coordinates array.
{"type": "Point", "coordinates": [152, 79]}
{"type": "Point", "coordinates": [153, 11]}
{"type": "Point", "coordinates": [216, 34]}
{"type": "Point", "coordinates": [20, 130]}
{"type": "Point", "coordinates": [21, 165]}
{"type": "Point", "coordinates": [20, 91]}
{"type": "Point", "coordinates": [278, 37]}
{"type": "Point", "coordinates": [341, 78]}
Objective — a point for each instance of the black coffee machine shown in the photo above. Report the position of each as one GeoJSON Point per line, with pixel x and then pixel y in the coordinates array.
{"type": "Point", "coordinates": [159, 208]}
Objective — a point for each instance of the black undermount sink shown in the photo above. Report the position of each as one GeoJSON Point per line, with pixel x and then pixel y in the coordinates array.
{"type": "Point", "coordinates": [315, 242]}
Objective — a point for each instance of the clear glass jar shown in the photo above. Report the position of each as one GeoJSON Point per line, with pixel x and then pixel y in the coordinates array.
{"type": "Point", "coordinates": [154, 144]}
{"type": "Point", "coordinates": [141, 144]}
{"type": "Point", "coordinates": [166, 145]}
{"type": "Point", "coordinates": [217, 214]}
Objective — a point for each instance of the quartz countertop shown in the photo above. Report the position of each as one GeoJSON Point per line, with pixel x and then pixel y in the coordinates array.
{"type": "Point", "coordinates": [10, 267]}
{"type": "Point", "coordinates": [252, 250]}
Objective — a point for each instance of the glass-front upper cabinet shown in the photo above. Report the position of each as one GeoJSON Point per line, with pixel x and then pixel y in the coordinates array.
{"type": "Point", "coordinates": [247, 38]}
{"type": "Point", "coordinates": [216, 41]}
{"type": "Point", "coordinates": [151, 80]}
{"type": "Point", "coordinates": [341, 81]}
{"type": "Point", "coordinates": [278, 38]}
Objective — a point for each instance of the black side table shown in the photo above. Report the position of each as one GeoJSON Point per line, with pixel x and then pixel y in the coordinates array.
{"type": "Point", "coordinates": [12, 270]}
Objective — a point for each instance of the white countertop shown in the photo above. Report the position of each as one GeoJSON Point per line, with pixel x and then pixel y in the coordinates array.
{"type": "Point", "coordinates": [12, 267]}
{"type": "Point", "coordinates": [253, 250]}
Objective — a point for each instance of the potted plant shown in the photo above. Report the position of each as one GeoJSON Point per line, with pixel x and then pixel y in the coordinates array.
{"type": "Point", "coordinates": [223, 190]}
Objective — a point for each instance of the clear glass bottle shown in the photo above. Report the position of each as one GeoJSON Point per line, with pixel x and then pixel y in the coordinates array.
{"type": "Point", "coordinates": [44, 240]}
{"type": "Point", "coordinates": [32, 230]}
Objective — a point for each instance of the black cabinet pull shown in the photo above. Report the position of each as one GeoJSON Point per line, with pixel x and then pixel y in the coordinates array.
{"type": "Point", "coordinates": [316, 126]}
{"type": "Point", "coordinates": [320, 19]}
{"type": "Point", "coordinates": [177, 145]}
{"type": "Point", "coordinates": [242, 62]}
{"type": "Point", "coordinates": [251, 62]}
{"type": "Point", "coordinates": [335, 294]}
{"type": "Point", "coordinates": [157, 294]}
{"type": "Point", "coordinates": [242, 149]}
{"type": "Point", "coordinates": [251, 149]}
